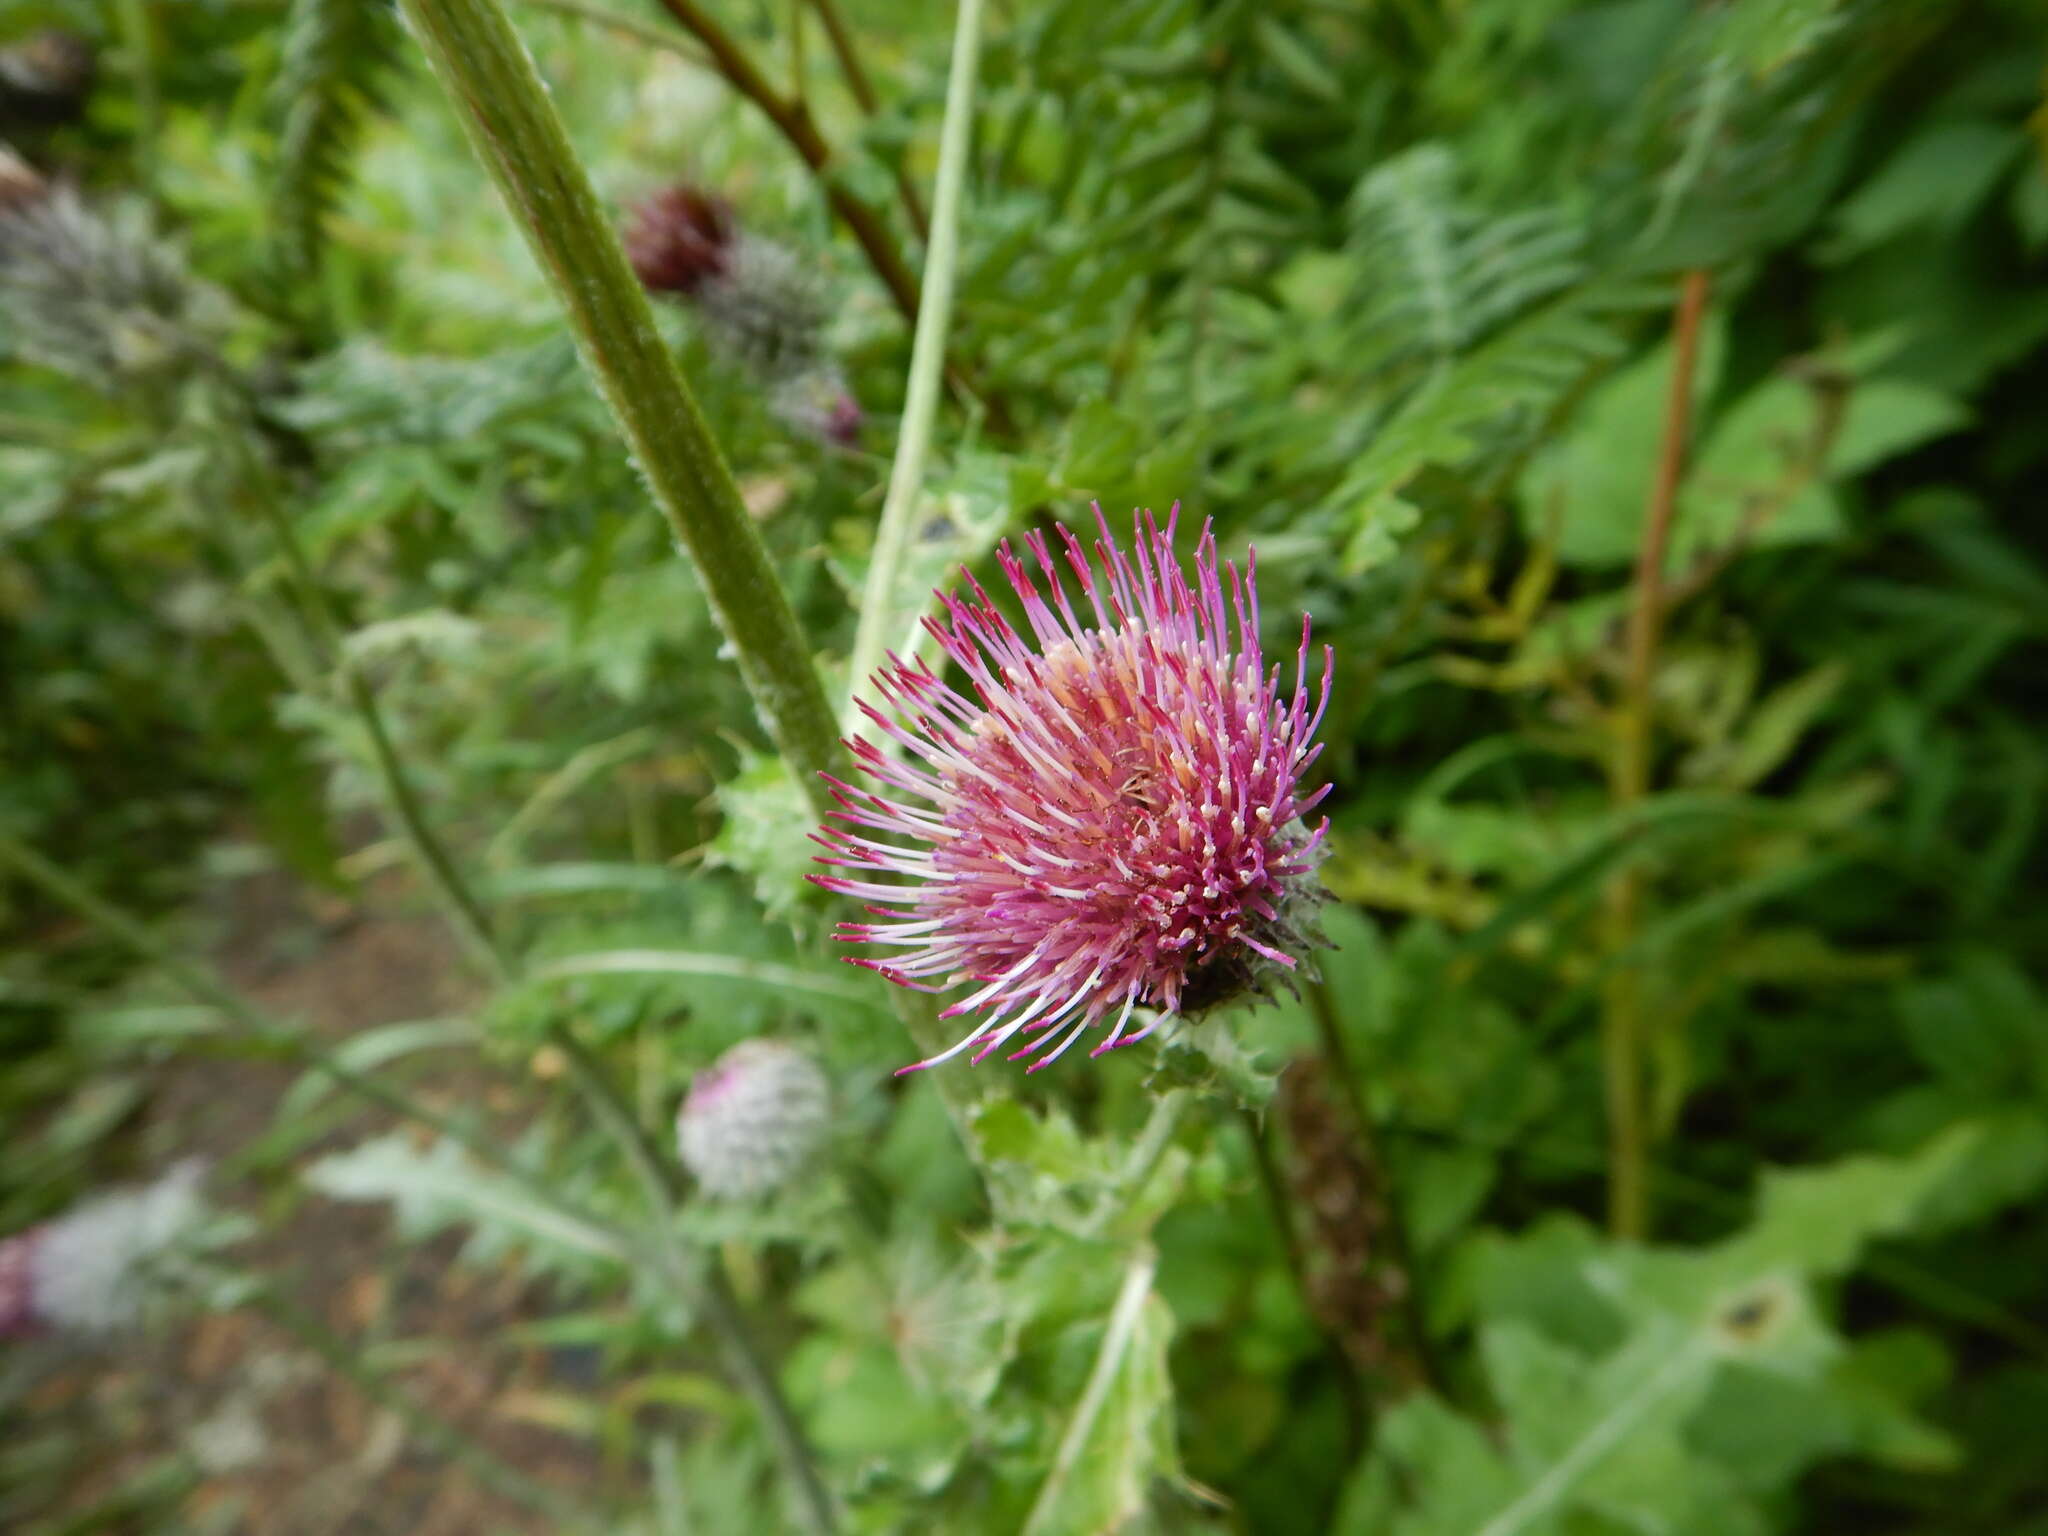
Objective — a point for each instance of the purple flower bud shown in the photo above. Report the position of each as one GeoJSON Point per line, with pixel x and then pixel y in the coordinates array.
{"type": "Point", "coordinates": [817, 404]}
{"type": "Point", "coordinates": [679, 239]}
{"type": "Point", "coordinates": [753, 1118]}
{"type": "Point", "coordinates": [1114, 820]}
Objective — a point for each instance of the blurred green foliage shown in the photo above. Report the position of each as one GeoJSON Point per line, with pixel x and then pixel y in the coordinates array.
{"type": "Point", "coordinates": [1386, 291]}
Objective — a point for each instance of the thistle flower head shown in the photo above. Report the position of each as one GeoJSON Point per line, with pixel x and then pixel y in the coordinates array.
{"type": "Point", "coordinates": [760, 305]}
{"type": "Point", "coordinates": [765, 310]}
{"type": "Point", "coordinates": [1114, 820]}
{"type": "Point", "coordinates": [753, 1118]}
{"type": "Point", "coordinates": [679, 239]}
{"type": "Point", "coordinates": [88, 1271]}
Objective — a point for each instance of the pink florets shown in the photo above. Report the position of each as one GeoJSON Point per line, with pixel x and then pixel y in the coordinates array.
{"type": "Point", "coordinates": [1113, 821]}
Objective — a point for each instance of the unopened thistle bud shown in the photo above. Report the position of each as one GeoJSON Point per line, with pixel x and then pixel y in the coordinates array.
{"type": "Point", "coordinates": [818, 404]}
{"type": "Point", "coordinates": [89, 1272]}
{"type": "Point", "coordinates": [679, 239]}
{"type": "Point", "coordinates": [761, 305]}
{"type": "Point", "coordinates": [753, 1118]}
{"type": "Point", "coordinates": [1115, 819]}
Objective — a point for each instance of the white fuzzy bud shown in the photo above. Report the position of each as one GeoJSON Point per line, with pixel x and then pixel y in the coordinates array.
{"type": "Point", "coordinates": [88, 1271]}
{"type": "Point", "coordinates": [753, 1118]}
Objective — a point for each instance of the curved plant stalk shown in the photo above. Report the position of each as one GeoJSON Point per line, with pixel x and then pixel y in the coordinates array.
{"type": "Point", "coordinates": [706, 1289]}
{"type": "Point", "coordinates": [1621, 1022]}
{"type": "Point", "coordinates": [517, 133]}
{"type": "Point", "coordinates": [1116, 1342]}
{"type": "Point", "coordinates": [879, 618]}
{"type": "Point", "coordinates": [666, 1252]}
{"type": "Point", "coordinates": [792, 119]}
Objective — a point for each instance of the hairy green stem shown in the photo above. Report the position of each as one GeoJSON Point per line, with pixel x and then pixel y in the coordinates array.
{"type": "Point", "coordinates": [879, 612]}
{"type": "Point", "coordinates": [517, 133]}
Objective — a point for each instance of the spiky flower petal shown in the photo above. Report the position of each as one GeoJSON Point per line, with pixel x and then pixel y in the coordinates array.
{"type": "Point", "coordinates": [1115, 820]}
{"type": "Point", "coordinates": [753, 1118]}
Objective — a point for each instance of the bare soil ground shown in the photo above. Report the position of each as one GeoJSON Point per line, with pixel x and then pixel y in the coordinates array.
{"type": "Point", "coordinates": [252, 1433]}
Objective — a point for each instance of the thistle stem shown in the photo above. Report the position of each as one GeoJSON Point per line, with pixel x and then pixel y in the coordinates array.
{"type": "Point", "coordinates": [1414, 1309]}
{"type": "Point", "coordinates": [880, 610]}
{"type": "Point", "coordinates": [1621, 1022]}
{"type": "Point", "coordinates": [517, 133]}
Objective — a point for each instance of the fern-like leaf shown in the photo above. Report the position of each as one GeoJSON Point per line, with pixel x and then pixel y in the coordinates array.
{"type": "Point", "coordinates": [337, 57]}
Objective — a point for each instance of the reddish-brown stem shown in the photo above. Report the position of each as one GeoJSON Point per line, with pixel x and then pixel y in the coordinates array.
{"type": "Point", "coordinates": [792, 120]}
{"type": "Point", "coordinates": [843, 49]}
{"type": "Point", "coordinates": [1646, 616]}
{"type": "Point", "coordinates": [1621, 1045]}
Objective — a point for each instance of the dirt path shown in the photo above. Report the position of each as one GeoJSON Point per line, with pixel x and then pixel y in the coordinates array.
{"type": "Point", "coordinates": [229, 1423]}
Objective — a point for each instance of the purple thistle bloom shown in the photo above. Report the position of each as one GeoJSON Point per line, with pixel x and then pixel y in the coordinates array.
{"type": "Point", "coordinates": [1115, 820]}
